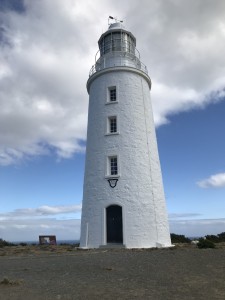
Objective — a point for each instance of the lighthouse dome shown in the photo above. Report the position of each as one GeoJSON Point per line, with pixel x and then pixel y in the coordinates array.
{"type": "Point", "coordinates": [117, 25]}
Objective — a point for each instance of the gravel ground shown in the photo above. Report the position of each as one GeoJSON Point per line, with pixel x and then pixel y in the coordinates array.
{"type": "Point", "coordinates": [51, 273]}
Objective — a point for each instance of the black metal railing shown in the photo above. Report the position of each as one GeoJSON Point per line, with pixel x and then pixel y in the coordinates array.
{"type": "Point", "coordinates": [117, 59]}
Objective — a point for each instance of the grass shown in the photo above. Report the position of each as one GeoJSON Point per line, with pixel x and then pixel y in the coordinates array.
{"type": "Point", "coordinates": [8, 282]}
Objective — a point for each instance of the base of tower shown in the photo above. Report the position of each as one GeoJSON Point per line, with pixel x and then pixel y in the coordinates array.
{"type": "Point", "coordinates": [112, 246]}
{"type": "Point", "coordinates": [160, 245]}
{"type": "Point", "coordinates": [122, 246]}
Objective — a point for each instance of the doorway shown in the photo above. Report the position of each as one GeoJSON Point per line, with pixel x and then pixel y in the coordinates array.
{"type": "Point", "coordinates": [114, 224]}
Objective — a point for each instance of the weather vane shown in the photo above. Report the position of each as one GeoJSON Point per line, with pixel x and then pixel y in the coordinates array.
{"type": "Point", "coordinates": [115, 19]}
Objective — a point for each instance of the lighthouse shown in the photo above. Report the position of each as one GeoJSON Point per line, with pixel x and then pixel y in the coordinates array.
{"type": "Point", "coordinates": [123, 195]}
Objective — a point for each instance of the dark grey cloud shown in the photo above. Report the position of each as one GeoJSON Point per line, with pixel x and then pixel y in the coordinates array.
{"type": "Point", "coordinates": [12, 5]}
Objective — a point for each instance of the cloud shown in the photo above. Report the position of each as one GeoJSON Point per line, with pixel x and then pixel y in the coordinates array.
{"type": "Point", "coordinates": [16, 5]}
{"type": "Point", "coordinates": [46, 53]}
{"type": "Point", "coordinates": [183, 215]}
{"type": "Point", "coordinates": [197, 227]}
{"type": "Point", "coordinates": [30, 229]}
{"type": "Point", "coordinates": [177, 34]}
{"type": "Point", "coordinates": [214, 181]}
{"type": "Point", "coordinates": [45, 210]}
{"type": "Point", "coordinates": [43, 96]}
{"type": "Point", "coordinates": [28, 223]}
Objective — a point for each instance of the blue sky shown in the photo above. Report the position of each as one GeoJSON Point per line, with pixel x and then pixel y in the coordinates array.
{"type": "Point", "coordinates": [191, 149]}
{"type": "Point", "coordinates": [45, 57]}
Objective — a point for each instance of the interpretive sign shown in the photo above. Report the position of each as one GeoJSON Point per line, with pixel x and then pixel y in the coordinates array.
{"type": "Point", "coordinates": [47, 239]}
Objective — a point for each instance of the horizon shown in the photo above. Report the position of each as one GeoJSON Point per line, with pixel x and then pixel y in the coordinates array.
{"type": "Point", "coordinates": [77, 241]}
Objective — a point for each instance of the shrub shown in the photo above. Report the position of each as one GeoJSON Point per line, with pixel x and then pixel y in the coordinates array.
{"type": "Point", "coordinates": [23, 244]}
{"type": "Point", "coordinates": [221, 237]}
{"type": "Point", "coordinates": [216, 238]}
{"type": "Point", "coordinates": [177, 238]}
{"type": "Point", "coordinates": [3, 243]}
{"type": "Point", "coordinates": [204, 243]}
{"type": "Point", "coordinates": [213, 238]}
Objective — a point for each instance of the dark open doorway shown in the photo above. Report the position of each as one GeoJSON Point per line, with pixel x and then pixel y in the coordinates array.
{"type": "Point", "coordinates": [114, 224]}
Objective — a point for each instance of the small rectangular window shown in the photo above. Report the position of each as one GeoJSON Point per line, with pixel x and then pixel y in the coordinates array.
{"type": "Point", "coordinates": [112, 94]}
{"type": "Point", "coordinates": [113, 165]}
{"type": "Point", "coordinates": [112, 124]}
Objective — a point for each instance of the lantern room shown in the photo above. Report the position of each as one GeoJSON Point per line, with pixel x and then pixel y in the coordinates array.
{"type": "Point", "coordinates": [116, 38]}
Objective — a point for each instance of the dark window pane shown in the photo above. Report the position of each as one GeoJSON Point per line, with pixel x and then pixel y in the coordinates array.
{"type": "Point", "coordinates": [113, 125]}
{"type": "Point", "coordinates": [113, 166]}
{"type": "Point", "coordinates": [112, 94]}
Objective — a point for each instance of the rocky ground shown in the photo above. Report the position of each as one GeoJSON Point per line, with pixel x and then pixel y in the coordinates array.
{"type": "Point", "coordinates": [65, 272]}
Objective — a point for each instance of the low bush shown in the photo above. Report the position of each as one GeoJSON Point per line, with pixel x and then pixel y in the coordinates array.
{"type": "Point", "coordinates": [3, 243]}
{"type": "Point", "coordinates": [204, 243]}
{"type": "Point", "coordinates": [213, 238]}
{"type": "Point", "coordinates": [23, 244]}
{"type": "Point", "coordinates": [221, 236]}
{"type": "Point", "coordinates": [178, 238]}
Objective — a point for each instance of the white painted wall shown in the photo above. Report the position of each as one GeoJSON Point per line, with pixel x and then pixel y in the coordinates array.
{"type": "Point", "coordinates": [139, 189]}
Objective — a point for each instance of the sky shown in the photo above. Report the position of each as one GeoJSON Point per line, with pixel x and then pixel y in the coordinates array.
{"type": "Point", "coordinates": [46, 51]}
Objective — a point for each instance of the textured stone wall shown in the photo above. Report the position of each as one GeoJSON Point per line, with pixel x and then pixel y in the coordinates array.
{"type": "Point", "coordinates": [139, 189]}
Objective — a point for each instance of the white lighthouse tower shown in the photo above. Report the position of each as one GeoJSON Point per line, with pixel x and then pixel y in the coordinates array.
{"type": "Point", "coordinates": [123, 197]}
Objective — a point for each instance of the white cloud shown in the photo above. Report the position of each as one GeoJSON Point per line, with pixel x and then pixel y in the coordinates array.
{"type": "Point", "coordinates": [214, 181]}
{"type": "Point", "coordinates": [197, 227]}
{"type": "Point", "coordinates": [182, 44]}
{"type": "Point", "coordinates": [183, 215]}
{"type": "Point", "coordinates": [30, 229]}
{"type": "Point", "coordinates": [28, 223]}
{"type": "Point", "coordinates": [44, 71]}
{"type": "Point", "coordinates": [44, 210]}
{"type": "Point", "coordinates": [46, 54]}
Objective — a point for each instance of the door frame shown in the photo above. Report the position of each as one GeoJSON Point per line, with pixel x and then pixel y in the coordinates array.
{"type": "Point", "coordinates": [104, 223]}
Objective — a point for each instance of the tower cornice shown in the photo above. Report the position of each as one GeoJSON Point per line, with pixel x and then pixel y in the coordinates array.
{"type": "Point", "coordinates": [118, 69]}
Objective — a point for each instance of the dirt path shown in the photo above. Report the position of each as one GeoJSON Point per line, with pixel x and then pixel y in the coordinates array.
{"type": "Point", "coordinates": [187, 273]}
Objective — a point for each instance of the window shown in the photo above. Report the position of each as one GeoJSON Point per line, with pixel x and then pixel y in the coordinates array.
{"type": "Point", "coordinates": [113, 165]}
{"type": "Point", "coordinates": [112, 125]}
{"type": "Point", "coordinates": [112, 94]}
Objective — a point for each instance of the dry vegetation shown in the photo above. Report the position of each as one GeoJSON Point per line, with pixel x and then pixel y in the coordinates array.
{"type": "Point", "coordinates": [66, 272]}
{"type": "Point", "coordinates": [19, 250]}
{"type": "Point", "coordinates": [35, 249]}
